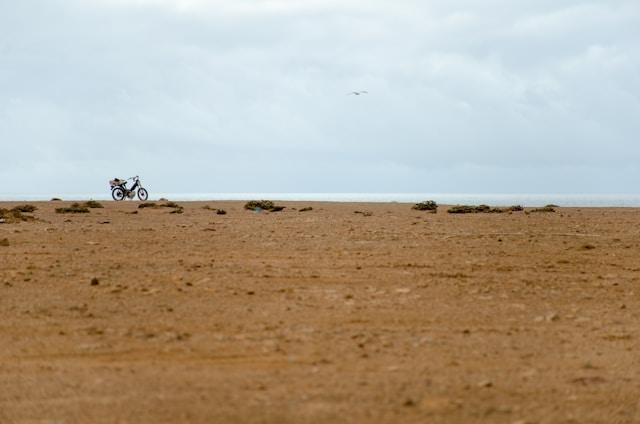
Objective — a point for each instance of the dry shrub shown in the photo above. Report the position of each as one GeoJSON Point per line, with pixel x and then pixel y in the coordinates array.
{"type": "Point", "coordinates": [147, 205]}
{"type": "Point", "coordinates": [93, 204]}
{"type": "Point", "coordinates": [364, 213]}
{"type": "Point", "coordinates": [25, 208]}
{"type": "Point", "coordinates": [74, 208]}
{"type": "Point", "coordinates": [14, 216]}
{"type": "Point", "coordinates": [171, 205]}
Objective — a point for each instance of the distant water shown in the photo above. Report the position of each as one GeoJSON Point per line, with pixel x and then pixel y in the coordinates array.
{"type": "Point", "coordinates": [576, 200]}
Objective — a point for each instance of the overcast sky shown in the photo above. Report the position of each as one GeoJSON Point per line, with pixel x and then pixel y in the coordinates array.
{"type": "Point", "coordinates": [492, 96]}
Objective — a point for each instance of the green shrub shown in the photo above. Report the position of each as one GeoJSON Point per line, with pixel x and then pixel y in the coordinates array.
{"type": "Point", "coordinates": [259, 204]}
{"type": "Point", "coordinates": [266, 205]}
{"type": "Point", "coordinates": [475, 209]}
{"type": "Point", "coordinates": [463, 209]}
{"type": "Point", "coordinates": [543, 210]}
{"type": "Point", "coordinates": [428, 205]}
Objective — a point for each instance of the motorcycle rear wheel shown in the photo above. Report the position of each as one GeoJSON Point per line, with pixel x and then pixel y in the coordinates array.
{"type": "Point", "coordinates": [117, 193]}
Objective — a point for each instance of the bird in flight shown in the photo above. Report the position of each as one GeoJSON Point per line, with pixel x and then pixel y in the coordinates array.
{"type": "Point", "coordinates": [357, 93]}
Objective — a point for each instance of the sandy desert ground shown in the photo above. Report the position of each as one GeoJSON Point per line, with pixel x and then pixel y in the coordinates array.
{"type": "Point", "coordinates": [319, 316]}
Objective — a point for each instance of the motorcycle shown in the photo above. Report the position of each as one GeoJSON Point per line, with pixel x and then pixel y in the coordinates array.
{"type": "Point", "coordinates": [119, 190]}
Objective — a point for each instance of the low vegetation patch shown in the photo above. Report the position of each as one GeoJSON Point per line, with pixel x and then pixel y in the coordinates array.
{"type": "Point", "coordinates": [170, 204]}
{"type": "Point", "coordinates": [147, 205]}
{"type": "Point", "coordinates": [428, 205]}
{"type": "Point", "coordinates": [267, 205]}
{"type": "Point", "coordinates": [56, 199]}
{"type": "Point", "coordinates": [92, 204]}
{"type": "Point", "coordinates": [74, 208]}
{"type": "Point", "coordinates": [483, 209]}
{"type": "Point", "coordinates": [25, 208]}
{"type": "Point", "coordinates": [221, 212]}
{"type": "Point", "coordinates": [546, 209]}
{"type": "Point", "coordinates": [469, 209]}
{"type": "Point", "coordinates": [177, 208]}
{"type": "Point", "coordinates": [307, 209]}
{"type": "Point", "coordinates": [4, 242]}
{"type": "Point", "coordinates": [14, 216]}
{"type": "Point", "coordinates": [259, 204]}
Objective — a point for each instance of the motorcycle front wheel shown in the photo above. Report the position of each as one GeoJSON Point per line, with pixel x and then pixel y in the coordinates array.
{"type": "Point", "coordinates": [117, 194]}
{"type": "Point", "coordinates": [142, 194]}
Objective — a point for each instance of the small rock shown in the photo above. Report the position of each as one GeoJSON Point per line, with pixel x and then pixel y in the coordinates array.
{"type": "Point", "coordinates": [409, 402]}
{"type": "Point", "coordinates": [95, 281]}
{"type": "Point", "coordinates": [552, 317]}
{"type": "Point", "coordinates": [485, 383]}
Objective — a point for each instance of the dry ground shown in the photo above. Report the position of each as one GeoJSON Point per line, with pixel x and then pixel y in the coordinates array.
{"type": "Point", "coordinates": [321, 316]}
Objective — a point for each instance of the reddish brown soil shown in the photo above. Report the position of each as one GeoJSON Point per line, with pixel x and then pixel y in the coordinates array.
{"type": "Point", "coordinates": [320, 316]}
